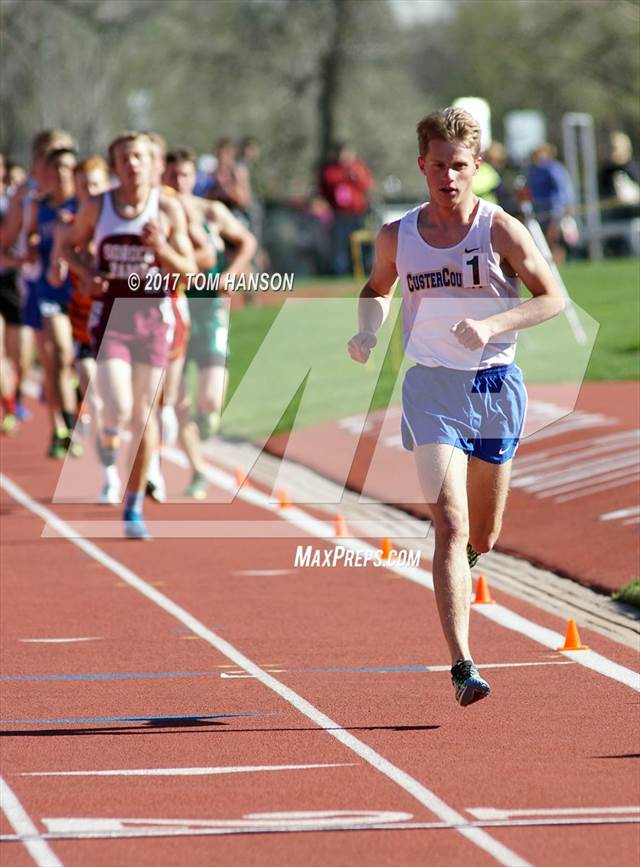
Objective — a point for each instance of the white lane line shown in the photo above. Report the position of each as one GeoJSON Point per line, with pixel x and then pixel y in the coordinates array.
{"type": "Point", "coordinates": [498, 613]}
{"type": "Point", "coordinates": [57, 640]}
{"type": "Point", "coordinates": [182, 831]}
{"type": "Point", "coordinates": [629, 512]}
{"type": "Point", "coordinates": [491, 813]}
{"type": "Point", "coordinates": [427, 669]}
{"type": "Point", "coordinates": [314, 819]}
{"type": "Point", "coordinates": [262, 573]}
{"type": "Point", "coordinates": [422, 794]}
{"type": "Point", "coordinates": [26, 831]}
{"type": "Point", "coordinates": [184, 772]}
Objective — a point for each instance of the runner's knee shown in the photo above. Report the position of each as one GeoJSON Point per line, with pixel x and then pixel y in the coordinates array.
{"type": "Point", "coordinates": [451, 524]}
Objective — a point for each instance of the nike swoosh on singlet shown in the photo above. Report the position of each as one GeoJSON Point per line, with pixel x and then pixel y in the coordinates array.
{"type": "Point", "coordinates": [471, 249]}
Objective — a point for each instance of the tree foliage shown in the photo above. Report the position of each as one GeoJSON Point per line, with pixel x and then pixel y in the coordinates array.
{"type": "Point", "coordinates": [298, 73]}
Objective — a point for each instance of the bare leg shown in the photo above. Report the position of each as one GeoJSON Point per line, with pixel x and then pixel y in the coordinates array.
{"type": "Point", "coordinates": [144, 424]}
{"type": "Point", "coordinates": [59, 331]}
{"type": "Point", "coordinates": [115, 387]}
{"type": "Point", "coordinates": [212, 382]}
{"type": "Point", "coordinates": [443, 468]}
{"type": "Point", "coordinates": [7, 376]}
{"type": "Point", "coordinates": [487, 490]}
{"type": "Point", "coordinates": [189, 434]}
{"type": "Point", "coordinates": [45, 354]}
{"type": "Point", "coordinates": [20, 347]}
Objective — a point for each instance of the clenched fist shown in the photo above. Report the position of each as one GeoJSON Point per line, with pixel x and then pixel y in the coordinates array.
{"type": "Point", "coordinates": [360, 346]}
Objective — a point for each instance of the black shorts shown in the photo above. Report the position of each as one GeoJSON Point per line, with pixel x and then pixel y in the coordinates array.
{"type": "Point", "coordinates": [10, 298]}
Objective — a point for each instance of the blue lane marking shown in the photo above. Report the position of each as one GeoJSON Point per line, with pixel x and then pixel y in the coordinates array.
{"type": "Point", "coordinates": [94, 719]}
{"type": "Point", "coordinates": [123, 676]}
{"type": "Point", "coordinates": [157, 674]}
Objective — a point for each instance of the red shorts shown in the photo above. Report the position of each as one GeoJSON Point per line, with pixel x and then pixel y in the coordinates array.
{"type": "Point", "coordinates": [138, 331]}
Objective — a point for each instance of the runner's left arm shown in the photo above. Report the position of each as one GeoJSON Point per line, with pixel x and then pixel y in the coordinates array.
{"type": "Point", "coordinates": [512, 241]}
{"type": "Point", "coordinates": [231, 230]}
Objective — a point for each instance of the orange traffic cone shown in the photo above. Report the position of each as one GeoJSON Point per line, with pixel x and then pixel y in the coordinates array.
{"type": "Point", "coordinates": [241, 476]}
{"type": "Point", "coordinates": [483, 596]}
{"type": "Point", "coordinates": [385, 547]}
{"type": "Point", "coordinates": [283, 499]}
{"type": "Point", "coordinates": [341, 526]}
{"type": "Point", "coordinates": [572, 638]}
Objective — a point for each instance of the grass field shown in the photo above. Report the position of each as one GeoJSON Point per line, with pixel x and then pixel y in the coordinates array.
{"type": "Point", "coordinates": [314, 336]}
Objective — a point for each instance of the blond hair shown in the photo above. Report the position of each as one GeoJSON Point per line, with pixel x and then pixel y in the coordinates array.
{"type": "Point", "coordinates": [452, 125]}
{"type": "Point", "coordinates": [123, 137]}
{"type": "Point", "coordinates": [92, 164]}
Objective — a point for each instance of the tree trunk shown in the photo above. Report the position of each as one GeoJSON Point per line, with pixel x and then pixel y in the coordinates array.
{"type": "Point", "coordinates": [331, 73]}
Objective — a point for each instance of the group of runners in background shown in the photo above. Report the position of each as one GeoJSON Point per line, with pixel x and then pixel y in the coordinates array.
{"type": "Point", "coordinates": [113, 355]}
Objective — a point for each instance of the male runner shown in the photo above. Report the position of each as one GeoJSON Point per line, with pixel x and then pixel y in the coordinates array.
{"type": "Point", "coordinates": [92, 178]}
{"type": "Point", "coordinates": [204, 257]}
{"type": "Point", "coordinates": [53, 338]}
{"type": "Point", "coordinates": [208, 344]}
{"type": "Point", "coordinates": [137, 229]}
{"type": "Point", "coordinates": [13, 249]}
{"type": "Point", "coordinates": [463, 402]}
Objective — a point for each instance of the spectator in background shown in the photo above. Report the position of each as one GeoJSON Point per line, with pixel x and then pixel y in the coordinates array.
{"type": "Point", "coordinates": [16, 176]}
{"type": "Point", "coordinates": [620, 179]}
{"type": "Point", "coordinates": [249, 154]}
{"type": "Point", "coordinates": [230, 182]}
{"type": "Point", "coordinates": [552, 197]}
{"type": "Point", "coordinates": [493, 181]}
{"type": "Point", "coordinates": [345, 182]}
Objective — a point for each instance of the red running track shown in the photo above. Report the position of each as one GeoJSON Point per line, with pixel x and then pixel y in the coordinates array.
{"type": "Point", "coordinates": [147, 692]}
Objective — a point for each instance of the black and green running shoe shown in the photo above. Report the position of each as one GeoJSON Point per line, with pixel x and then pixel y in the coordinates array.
{"type": "Point", "coordinates": [472, 555]}
{"type": "Point", "coordinates": [197, 488]}
{"type": "Point", "coordinates": [468, 684]}
{"type": "Point", "coordinates": [58, 447]}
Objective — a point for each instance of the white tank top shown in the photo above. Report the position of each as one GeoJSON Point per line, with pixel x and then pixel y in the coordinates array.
{"type": "Point", "coordinates": [119, 248]}
{"type": "Point", "coordinates": [441, 286]}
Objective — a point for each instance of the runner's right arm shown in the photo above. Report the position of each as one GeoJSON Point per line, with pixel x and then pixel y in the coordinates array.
{"type": "Point", "coordinates": [74, 247]}
{"type": "Point", "coordinates": [375, 297]}
{"type": "Point", "coordinates": [10, 230]}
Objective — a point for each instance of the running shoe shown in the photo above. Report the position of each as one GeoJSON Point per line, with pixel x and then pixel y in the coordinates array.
{"type": "Point", "coordinates": [197, 489]}
{"type": "Point", "coordinates": [156, 486]}
{"type": "Point", "coordinates": [10, 423]}
{"type": "Point", "coordinates": [208, 425]}
{"type": "Point", "coordinates": [75, 448]}
{"type": "Point", "coordinates": [472, 555]}
{"type": "Point", "coordinates": [468, 684]}
{"type": "Point", "coordinates": [58, 447]}
{"type": "Point", "coordinates": [22, 413]}
{"type": "Point", "coordinates": [109, 493]}
{"type": "Point", "coordinates": [134, 526]}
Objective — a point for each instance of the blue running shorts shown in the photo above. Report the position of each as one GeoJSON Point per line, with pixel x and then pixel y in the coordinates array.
{"type": "Point", "coordinates": [480, 412]}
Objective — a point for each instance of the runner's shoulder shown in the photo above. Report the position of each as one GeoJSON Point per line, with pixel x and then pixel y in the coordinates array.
{"type": "Point", "coordinates": [506, 231]}
{"type": "Point", "coordinates": [170, 204]}
{"type": "Point", "coordinates": [387, 238]}
{"type": "Point", "coordinates": [93, 205]}
{"type": "Point", "coordinates": [191, 207]}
